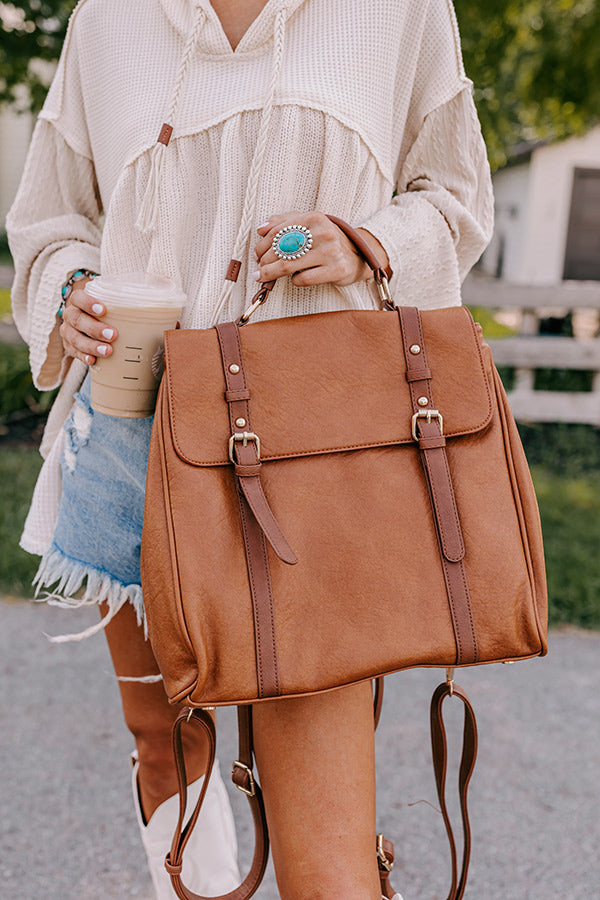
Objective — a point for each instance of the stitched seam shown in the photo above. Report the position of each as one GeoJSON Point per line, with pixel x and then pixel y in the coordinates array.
{"type": "Point", "coordinates": [469, 609]}
{"type": "Point", "coordinates": [299, 454]}
{"type": "Point", "coordinates": [267, 525]}
{"type": "Point", "coordinates": [255, 615]}
{"type": "Point", "coordinates": [454, 506]}
{"type": "Point", "coordinates": [446, 565]}
{"type": "Point", "coordinates": [436, 504]}
{"type": "Point", "coordinates": [272, 520]}
{"type": "Point", "coordinates": [271, 614]}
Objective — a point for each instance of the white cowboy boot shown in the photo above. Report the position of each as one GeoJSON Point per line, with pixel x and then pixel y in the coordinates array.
{"type": "Point", "coordinates": [210, 858]}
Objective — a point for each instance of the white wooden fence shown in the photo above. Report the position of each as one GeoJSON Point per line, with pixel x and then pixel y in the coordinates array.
{"type": "Point", "coordinates": [523, 306]}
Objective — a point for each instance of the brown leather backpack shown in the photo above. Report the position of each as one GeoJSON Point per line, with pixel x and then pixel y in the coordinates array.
{"type": "Point", "coordinates": [331, 498]}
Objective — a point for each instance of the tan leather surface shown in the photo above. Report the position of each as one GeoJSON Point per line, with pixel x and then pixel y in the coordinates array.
{"type": "Point", "coordinates": [324, 382]}
{"type": "Point", "coordinates": [434, 458]}
{"type": "Point", "coordinates": [359, 520]}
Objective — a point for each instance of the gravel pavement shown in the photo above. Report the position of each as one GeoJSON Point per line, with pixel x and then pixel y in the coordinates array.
{"type": "Point", "coordinates": [68, 832]}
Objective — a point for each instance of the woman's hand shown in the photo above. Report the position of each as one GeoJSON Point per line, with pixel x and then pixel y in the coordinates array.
{"type": "Point", "coordinates": [333, 258]}
{"type": "Point", "coordinates": [83, 335]}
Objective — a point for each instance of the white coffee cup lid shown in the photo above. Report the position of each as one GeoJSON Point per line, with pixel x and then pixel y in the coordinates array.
{"type": "Point", "coordinates": [136, 289]}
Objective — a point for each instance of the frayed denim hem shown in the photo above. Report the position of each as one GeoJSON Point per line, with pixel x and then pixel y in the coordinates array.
{"type": "Point", "coordinates": [68, 575]}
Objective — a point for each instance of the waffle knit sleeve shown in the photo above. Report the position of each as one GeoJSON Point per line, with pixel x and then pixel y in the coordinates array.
{"type": "Point", "coordinates": [441, 219]}
{"type": "Point", "coordinates": [53, 226]}
{"type": "Point", "coordinates": [441, 216]}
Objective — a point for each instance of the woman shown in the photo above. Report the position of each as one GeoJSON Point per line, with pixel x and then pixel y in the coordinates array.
{"type": "Point", "coordinates": [282, 111]}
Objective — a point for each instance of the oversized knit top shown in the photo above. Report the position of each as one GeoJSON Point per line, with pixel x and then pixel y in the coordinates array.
{"type": "Point", "coordinates": [359, 108]}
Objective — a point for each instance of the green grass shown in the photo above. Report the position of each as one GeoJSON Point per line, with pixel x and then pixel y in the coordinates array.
{"type": "Point", "coordinates": [569, 506]}
{"type": "Point", "coordinates": [491, 327]}
{"type": "Point", "coordinates": [570, 512]}
{"type": "Point", "coordinates": [18, 471]}
{"type": "Point", "coordinates": [4, 303]}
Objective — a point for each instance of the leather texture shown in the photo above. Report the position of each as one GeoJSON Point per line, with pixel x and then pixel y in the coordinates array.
{"type": "Point", "coordinates": [332, 498]}
{"type": "Point", "coordinates": [351, 492]}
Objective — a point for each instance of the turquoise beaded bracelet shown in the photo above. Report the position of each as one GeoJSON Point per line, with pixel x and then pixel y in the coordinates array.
{"type": "Point", "coordinates": [68, 287]}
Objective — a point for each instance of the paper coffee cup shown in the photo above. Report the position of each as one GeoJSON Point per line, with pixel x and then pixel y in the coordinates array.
{"type": "Point", "coordinates": [141, 307]}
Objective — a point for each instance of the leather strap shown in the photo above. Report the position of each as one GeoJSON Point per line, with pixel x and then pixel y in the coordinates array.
{"type": "Point", "coordinates": [381, 274]}
{"type": "Point", "coordinates": [256, 516]}
{"type": "Point", "coordinates": [246, 455]}
{"type": "Point", "coordinates": [377, 699]}
{"type": "Point", "coordinates": [379, 271]}
{"type": "Point", "coordinates": [432, 446]}
{"type": "Point", "coordinates": [439, 750]}
{"type": "Point", "coordinates": [243, 778]}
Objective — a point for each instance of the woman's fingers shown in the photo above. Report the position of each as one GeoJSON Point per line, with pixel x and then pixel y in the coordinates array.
{"type": "Point", "coordinates": [78, 344]}
{"type": "Point", "coordinates": [83, 333]}
{"type": "Point", "coordinates": [88, 325]}
{"type": "Point", "coordinates": [332, 258]}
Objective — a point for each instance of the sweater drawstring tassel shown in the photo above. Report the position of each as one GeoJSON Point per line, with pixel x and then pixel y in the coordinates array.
{"type": "Point", "coordinates": [147, 219]}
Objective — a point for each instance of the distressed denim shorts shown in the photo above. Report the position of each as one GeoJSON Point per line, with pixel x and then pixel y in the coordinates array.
{"type": "Point", "coordinates": [95, 552]}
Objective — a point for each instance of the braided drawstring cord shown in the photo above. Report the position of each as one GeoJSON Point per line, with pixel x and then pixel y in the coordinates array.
{"type": "Point", "coordinates": [258, 160]}
{"type": "Point", "coordinates": [149, 208]}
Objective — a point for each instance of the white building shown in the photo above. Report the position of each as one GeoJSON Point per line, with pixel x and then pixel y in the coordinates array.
{"type": "Point", "coordinates": [548, 214]}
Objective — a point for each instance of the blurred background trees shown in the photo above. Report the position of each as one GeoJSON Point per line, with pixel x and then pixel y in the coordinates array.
{"type": "Point", "coordinates": [536, 68]}
{"type": "Point", "coordinates": [535, 63]}
{"type": "Point", "coordinates": [30, 30]}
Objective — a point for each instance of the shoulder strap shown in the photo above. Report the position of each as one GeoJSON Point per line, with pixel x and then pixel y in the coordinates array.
{"type": "Point", "coordinates": [243, 779]}
{"type": "Point", "coordinates": [439, 750]}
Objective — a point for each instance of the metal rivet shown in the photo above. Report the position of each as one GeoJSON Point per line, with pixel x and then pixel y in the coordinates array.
{"type": "Point", "coordinates": [415, 349]}
{"type": "Point", "coordinates": [240, 422]}
{"type": "Point", "coordinates": [423, 401]}
{"type": "Point", "coordinates": [234, 369]}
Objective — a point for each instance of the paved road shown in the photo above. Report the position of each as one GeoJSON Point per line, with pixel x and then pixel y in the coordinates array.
{"type": "Point", "coordinates": [67, 830]}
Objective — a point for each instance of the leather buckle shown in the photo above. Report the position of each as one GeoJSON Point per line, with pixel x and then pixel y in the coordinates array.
{"type": "Point", "coordinates": [428, 414]}
{"type": "Point", "coordinates": [382, 856]}
{"type": "Point", "coordinates": [251, 791]}
{"type": "Point", "coordinates": [243, 437]}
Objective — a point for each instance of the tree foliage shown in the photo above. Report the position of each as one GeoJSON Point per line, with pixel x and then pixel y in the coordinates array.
{"type": "Point", "coordinates": [535, 63]}
{"type": "Point", "coordinates": [30, 31]}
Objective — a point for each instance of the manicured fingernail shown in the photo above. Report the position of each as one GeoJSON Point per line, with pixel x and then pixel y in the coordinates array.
{"type": "Point", "coordinates": [107, 333]}
{"type": "Point", "coordinates": [102, 349]}
{"type": "Point", "coordinates": [89, 360]}
{"type": "Point", "coordinates": [98, 309]}
{"type": "Point", "coordinates": [264, 225]}
{"type": "Point", "coordinates": [257, 275]}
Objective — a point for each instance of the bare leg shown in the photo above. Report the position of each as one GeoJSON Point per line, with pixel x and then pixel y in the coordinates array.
{"type": "Point", "coordinates": [315, 757]}
{"type": "Point", "coordinates": [148, 713]}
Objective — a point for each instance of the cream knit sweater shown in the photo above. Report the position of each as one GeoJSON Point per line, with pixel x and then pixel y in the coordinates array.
{"type": "Point", "coordinates": [332, 105]}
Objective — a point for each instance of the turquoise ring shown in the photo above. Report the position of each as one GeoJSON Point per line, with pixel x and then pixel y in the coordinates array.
{"type": "Point", "coordinates": [292, 242]}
